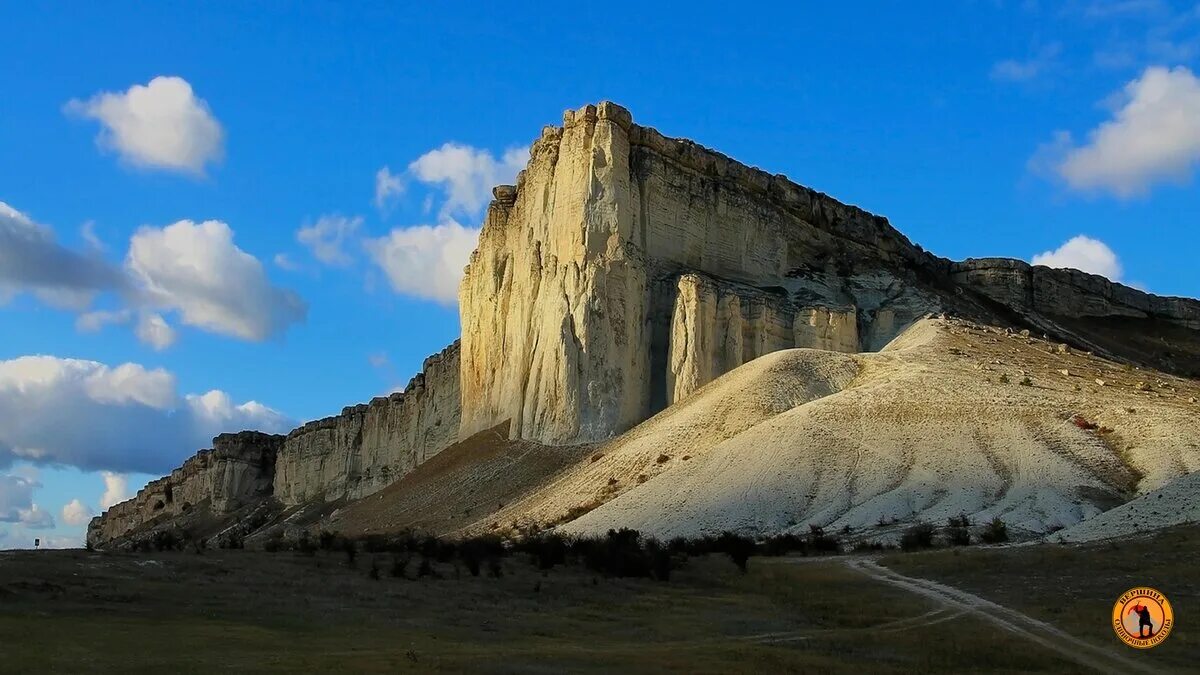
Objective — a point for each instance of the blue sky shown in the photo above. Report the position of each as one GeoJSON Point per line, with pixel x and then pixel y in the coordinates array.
{"type": "Point", "coordinates": [195, 197]}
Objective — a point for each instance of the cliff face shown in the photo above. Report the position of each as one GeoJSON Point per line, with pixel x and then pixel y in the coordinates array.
{"type": "Point", "coordinates": [626, 269]}
{"type": "Point", "coordinates": [370, 446]}
{"type": "Point", "coordinates": [237, 471]}
{"type": "Point", "coordinates": [584, 310]}
{"type": "Point", "coordinates": [350, 455]}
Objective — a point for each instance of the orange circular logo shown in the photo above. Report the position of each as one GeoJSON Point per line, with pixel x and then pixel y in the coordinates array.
{"type": "Point", "coordinates": [1142, 617]}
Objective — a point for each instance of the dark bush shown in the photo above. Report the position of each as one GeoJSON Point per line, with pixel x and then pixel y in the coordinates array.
{"type": "Point", "coordinates": [399, 568]}
{"type": "Point", "coordinates": [327, 540]}
{"type": "Point", "coordinates": [375, 543]}
{"type": "Point", "coordinates": [477, 550]}
{"type": "Point", "coordinates": [917, 536]}
{"type": "Point", "coordinates": [545, 550]}
{"type": "Point", "coordinates": [995, 532]}
{"type": "Point", "coordinates": [374, 571]}
{"type": "Point", "coordinates": [618, 554]}
{"type": "Point", "coordinates": [739, 548]}
{"type": "Point", "coordinates": [821, 542]}
{"type": "Point", "coordinates": [425, 569]}
{"type": "Point", "coordinates": [305, 545]}
{"type": "Point", "coordinates": [783, 544]}
{"type": "Point", "coordinates": [661, 560]}
{"type": "Point", "coordinates": [351, 551]}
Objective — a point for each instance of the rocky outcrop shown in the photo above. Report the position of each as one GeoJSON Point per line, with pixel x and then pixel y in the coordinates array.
{"type": "Point", "coordinates": [239, 470]}
{"type": "Point", "coordinates": [370, 446]}
{"type": "Point", "coordinates": [350, 455]}
{"type": "Point", "coordinates": [576, 324]}
{"type": "Point", "coordinates": [625, 270]}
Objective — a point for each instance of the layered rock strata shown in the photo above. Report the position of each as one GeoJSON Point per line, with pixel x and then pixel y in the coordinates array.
{"type": "Point", "coordinates": [369, 446]}
{"type": "Point", "coordinates": [625, 269]}
{"type": "Point", "coordinates": [237, 471]}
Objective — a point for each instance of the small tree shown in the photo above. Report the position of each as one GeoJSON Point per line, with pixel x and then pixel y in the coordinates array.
{"type": "Point", "coordinates": [917, 536]}
{"type": "Point", "coordinates": [351, 551]}
{"type": "Point", "coordinates": [995, 532]}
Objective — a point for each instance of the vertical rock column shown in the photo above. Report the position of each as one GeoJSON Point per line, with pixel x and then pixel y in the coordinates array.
{"type": "Point", "coordinates": [553, 304]}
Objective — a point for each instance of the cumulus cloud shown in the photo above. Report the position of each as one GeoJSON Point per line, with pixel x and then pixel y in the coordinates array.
{"type": "Point", "coordinates": [425, 261]}
{"type": "Point", "coordinates": [1084, 254]}
{"type": "Point", "coordinates": [197, 270]}
{"type": "Point", "coordinates": [327, 238]}
{"type": "Point", "coordinates": [162, 124]}
{"type": "Point", "coordinates": [31, 260]}
{"type": "Point", "coordinates": [1024, 70]}
{"type": "Point", "coordinates": [123, 418]}
{"type": "Point", "coordinates": [17, 505]}
{"type": "Point", "coordinates": [387, 186]}
{"type": "Point", "coordinates": [116, 489]}
{"type": "Point", "coordinates": [76, 513]}
{"type": "Point", "coordinates": [467, 175]}
{"type": "Point", "coordinates": [1153, 136]}
{"type": "Point", "coordinates": [153, 330]}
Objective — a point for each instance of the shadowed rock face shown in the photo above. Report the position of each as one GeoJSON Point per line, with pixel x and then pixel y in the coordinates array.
{"type": "Point", "coordinates": [239, 470]}
{"type": "Point", "coordinates": [624, 271]}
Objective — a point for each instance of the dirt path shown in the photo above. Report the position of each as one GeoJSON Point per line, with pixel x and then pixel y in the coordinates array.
{"type": "Point", "coordinates": [1040, 632]}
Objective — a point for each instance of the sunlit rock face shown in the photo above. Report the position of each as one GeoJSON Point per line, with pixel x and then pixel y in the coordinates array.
{"type": "Point", "coordinates": [627, 269]}
{"type": "Point", "coordinates": [623, 272]}
{"type": "Point", "coordinates": [369, 446]}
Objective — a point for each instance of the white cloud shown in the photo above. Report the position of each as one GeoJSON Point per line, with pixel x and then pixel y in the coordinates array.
{"type": "Point", "coordinates": [425, 261]}
{"type": "Point", "coordinates": [161, 124]}
{"type": "Point", "coordinates": [327, 238]}
{"type": "Point", "coordinates": [1084, 254]}
{"type": "Point", "coordinates": [16, 496]}
{"type": "Point", "coordinates": [76, 513]}
{"type": "Point", "coordinates": [31, 260]}
{"type": "Point", "coordinates": [153, 330]}
{"type": "Point", "coordinates": [467, 175]}
{"type": "Point", "coordinates": [116, 489]}
{"type": "Point", "coordinates": [1014, 70]}
{"type": "Point", "coordinates": [91, 322]}
{"type": "Point", "coordinates": [88, 232]}
{"type": "Point", "coordinates": [123, 418]}
{"type": "Point", "coordinates": [387, 186]}
{"type": "Point", "coordinates": [284, 262]}
{"type": "Point", "coordinates": [1154, 136]}
{"type": "Point", "coordinates": [17, 505]}
{"type": "Point", "coordinates": [196, 269]}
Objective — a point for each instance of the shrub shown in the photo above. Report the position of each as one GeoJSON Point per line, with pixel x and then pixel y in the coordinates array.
{"type": "Point", "coordinates": [917, 536]}
{"type": "Point", "coordinates": [867, 546]}
{"type": "Point", "coordinates": [375, 543]}
{"type": "Point", "coordinates": [274, 543]}
{"type": "Point", "coordinates": [374, 571]}
{"type": "Point", "coordinates": [782, 544]}
{"type": "Point", "coordinates": [305, 545]}
{"type": "Point", "coordinates": [663, 459]}
{"type": "Point", "coordinates": [476, 550]}
{"type": "Point", "coordinates": [619, 553]}
{"type": "Point", "coordinates": [739, 548]}
{"type": "Point", "coordinates": [327, 540]}
{"type": "Point", "coordinates": [1004, 378]}
{"type": "Point", "coordinates": [661, 560]}
{"type": "Point", "coordinates": [995, 532]}
{"type": "Point", "coordinates": [1082, 423]}
{"type": "Point", "coordinates": [821, 542]}
{"type": "Point", "coordinates": [399, 568]}
{"type": "Point", "coordinates": [545, 550]}
{"type": "Point", "coordinates": [351, 551]}
{"type": "Point", "coordinates": [1026, 382]}
{"type": "Point", "coordinates": [425, 569]}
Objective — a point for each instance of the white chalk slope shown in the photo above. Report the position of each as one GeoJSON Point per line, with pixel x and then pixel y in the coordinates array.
{"type": "Point", "coordinates": [937, 424]}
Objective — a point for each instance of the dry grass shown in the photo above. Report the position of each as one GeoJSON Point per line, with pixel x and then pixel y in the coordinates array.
{"type": "Point", "coordinates": [247, 611]}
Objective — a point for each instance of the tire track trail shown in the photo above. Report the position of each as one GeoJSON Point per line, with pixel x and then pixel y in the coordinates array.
{"type": "Point", "coordinates": [1024, 626]}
